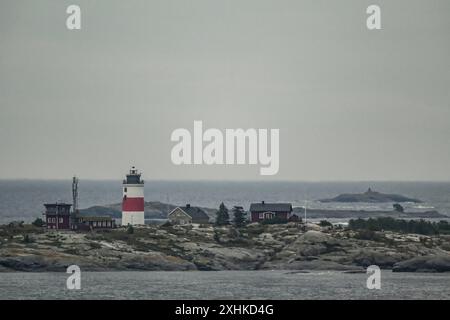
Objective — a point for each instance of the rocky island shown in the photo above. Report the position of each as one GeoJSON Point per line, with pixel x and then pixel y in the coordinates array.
{"type": "Point", "coordinates": [293, 246]}
{"type": "Point", "coordinates": [370, 196]}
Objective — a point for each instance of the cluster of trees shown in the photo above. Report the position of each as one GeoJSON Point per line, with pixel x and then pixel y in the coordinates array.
{"type": "Point", "coordinates": [223, 217]}
{"type": "Point", "coordinates": [400, 225]}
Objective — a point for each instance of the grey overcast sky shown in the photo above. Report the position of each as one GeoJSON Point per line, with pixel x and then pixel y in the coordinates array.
{"type": "Point", "coordinates": [351, 104]}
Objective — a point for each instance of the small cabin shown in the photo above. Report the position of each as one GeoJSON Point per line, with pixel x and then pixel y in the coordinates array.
{"type": "Point", "coordinates": [188, 215]}
{"type": "Point", "coordinates": [93, 223]}
{"type": "Point", "coordinates": [265, 211]}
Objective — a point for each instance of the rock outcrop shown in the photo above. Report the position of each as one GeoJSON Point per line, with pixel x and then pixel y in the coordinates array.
{"type": "Point", "coordinates": [433, 263]}
{"type": "Point", "coordinates": [191, 247]}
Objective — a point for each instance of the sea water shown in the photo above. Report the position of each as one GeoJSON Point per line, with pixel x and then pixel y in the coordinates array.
{"type": "Point", "coordinates": [24, 199]}
{"type": "Point", "coordinates": [224, 285]}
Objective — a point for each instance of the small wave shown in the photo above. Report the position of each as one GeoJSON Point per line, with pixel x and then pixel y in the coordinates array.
{"type": "Point", "coordinates": [423, 207]}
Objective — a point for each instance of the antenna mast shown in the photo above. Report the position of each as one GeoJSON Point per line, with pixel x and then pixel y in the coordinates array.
{"type": "Point", "coordinates": [75, 194]}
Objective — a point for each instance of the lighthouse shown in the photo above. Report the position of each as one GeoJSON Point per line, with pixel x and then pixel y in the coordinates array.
{"type": "Point", "coordinates": [133, 199]}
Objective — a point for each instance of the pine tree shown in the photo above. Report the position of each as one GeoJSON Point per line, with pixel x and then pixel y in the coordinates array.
{"type": "Point", "coordinates": [222, 217]}
{"type": "Point", "coordinates": [239, 216]}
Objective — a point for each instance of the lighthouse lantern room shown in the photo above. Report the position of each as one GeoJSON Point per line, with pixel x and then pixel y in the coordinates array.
{"type": "Point", "coordinates": [133, 199]}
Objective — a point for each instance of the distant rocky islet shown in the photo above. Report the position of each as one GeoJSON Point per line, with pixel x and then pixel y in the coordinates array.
{"type": "Point", "coordinates": [371, 196]}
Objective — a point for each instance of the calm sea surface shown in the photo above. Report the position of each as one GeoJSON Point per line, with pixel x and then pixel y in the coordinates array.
{"type": "Point", "coordinates": [24, 199]}
{"type": "Point", "coordinates": [224, 285]}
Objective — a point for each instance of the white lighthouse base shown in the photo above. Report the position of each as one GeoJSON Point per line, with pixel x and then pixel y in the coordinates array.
{"type": "Point", "coordinates": [133, 218]}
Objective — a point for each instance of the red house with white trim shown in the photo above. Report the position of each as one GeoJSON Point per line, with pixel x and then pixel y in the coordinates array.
{"type": "Point", "coordinates": [57, 216]}
{"type": "Point", "coordinates": [264, 211]}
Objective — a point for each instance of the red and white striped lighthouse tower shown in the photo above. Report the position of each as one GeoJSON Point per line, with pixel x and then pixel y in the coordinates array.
{"type": "Point", "coordinates": [133, 199]}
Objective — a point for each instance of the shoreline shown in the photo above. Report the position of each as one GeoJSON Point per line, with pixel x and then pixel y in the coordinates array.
{"type": "Point", "coordinates": [281, 271]}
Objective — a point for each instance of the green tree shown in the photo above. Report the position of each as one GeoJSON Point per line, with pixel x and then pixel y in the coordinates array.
{"type": "Point", "coordinates": [38, 222]}
{"type": "Point", "coordinates": [240, 218]}
{"type": "Point", "coordinates": [222, 216]}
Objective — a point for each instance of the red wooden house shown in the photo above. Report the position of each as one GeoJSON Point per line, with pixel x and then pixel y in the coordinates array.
{"type": "Point", "coordinates": [57, 216]}
{"type": "Point", "coordinates": [263, 211]}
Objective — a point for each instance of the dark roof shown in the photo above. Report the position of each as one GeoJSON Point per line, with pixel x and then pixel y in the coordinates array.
{"type": "Point", "coordinates": [272, 207]}
{"type": "Point", "coordinates": [57, 204]}
{"type": "Point", "coordinates": [195, 212]}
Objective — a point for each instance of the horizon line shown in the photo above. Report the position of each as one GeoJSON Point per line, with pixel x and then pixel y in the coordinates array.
{"type": "Point", "coordinates": [238, 180]}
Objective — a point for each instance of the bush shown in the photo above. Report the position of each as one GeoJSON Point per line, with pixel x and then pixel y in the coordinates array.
{"type": "Point", "coordinates": [72, 251]}
{"type": "Point", "coordinates": [166, 224]}
{"type": "Point", "coordinates": [38, 223]}
{"type": "Point", "coordinates": [216, 236]}
{"type": "Point", "coordinates": [366, 235]}
{"type": "Point", "coordinates": [95, 245]}
{"type": "Point", "coordinates": [16, 224]}
{"type": "Point", "coordinates": [27, 239]}
{"type": "Point", "coordinates": [130, 229]}
{"type": "Point", "coordinates": [325, 223]}
{"type": "Point", "coordinates": [274, 220]}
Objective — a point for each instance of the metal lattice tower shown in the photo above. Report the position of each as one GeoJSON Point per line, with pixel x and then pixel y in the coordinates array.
{"type": "Point", "coordinates": [75, 194]}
